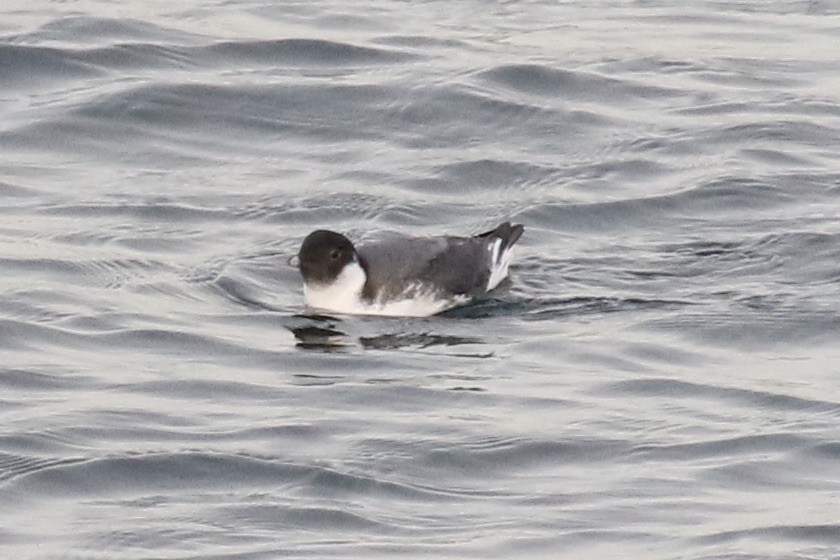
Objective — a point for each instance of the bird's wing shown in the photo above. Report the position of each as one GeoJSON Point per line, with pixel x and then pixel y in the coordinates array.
{"type": "Point", "coordinates": [454, 265]}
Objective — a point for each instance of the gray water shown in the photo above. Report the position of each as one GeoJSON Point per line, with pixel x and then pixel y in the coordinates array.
{"type": "Point", "coordinates": [660, 378]}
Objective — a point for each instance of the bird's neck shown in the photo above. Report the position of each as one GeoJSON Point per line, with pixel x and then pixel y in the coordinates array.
{"type": "Point", "coordinates": [342, 294]}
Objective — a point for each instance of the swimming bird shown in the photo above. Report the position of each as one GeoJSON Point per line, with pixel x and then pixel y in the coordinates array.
{"type": "Point", "coordinates": [405, 276]}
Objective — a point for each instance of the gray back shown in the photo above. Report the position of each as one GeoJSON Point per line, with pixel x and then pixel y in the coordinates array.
{"type": "Point", "coordinates": [456, 265]}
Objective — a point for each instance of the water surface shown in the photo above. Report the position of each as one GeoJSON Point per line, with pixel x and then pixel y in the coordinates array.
{"type": "Point", "coordinates": [658, 380]}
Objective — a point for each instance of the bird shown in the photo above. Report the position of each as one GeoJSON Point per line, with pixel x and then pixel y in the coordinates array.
{"type": "Point", "coordinates": [403, 276]}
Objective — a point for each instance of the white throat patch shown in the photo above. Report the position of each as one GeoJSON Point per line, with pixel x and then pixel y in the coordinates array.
{"type": "Point", "coordinates": [343, 295]}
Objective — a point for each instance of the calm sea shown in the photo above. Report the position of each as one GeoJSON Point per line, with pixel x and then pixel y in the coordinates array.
{"type": "Point", "coordinates": [659, 380]}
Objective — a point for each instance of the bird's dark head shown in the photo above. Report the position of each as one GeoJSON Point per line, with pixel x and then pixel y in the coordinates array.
{"type": "Point", "coordinates": [323, 255]}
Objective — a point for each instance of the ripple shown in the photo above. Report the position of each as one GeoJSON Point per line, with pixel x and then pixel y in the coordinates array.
{"type": "Point", "coordinates": [827, 533]}
{"type": "Point", "coordinates": [30, 65]}
{"type": "Point", "coordinates": [716, 197]}
{"type": "Point", "coordinates": [746, 397]}
{"type": "Point", "coordinates": [549, 309]}
{"type": "Point", "coordinates": [150, 474]}
{"type": "Point", "coordinates": [308, 51]}
{"type": "Point", "coordinates": [15, 466]}
{"type": "Point", "coordinates": [728, 448]}
{"type": "Point", "coordinates": [38, 381]}
{"type": "Point", "coordinates": [574, 84]}
{"type": "Point", "coordinates": [180, 122]}
{"type": "Point", "coordinates": [113, 476]}
{"type": "Point", "coordinates": [11, 191]}
{"type": "Point", "coordinates": [110, 273]}
{"type": "Point", "coordinates": [485, 174]}
{"type": "Point", "coordinates": [484, 457]}
{"type": "Point", "coordinates": [95, 30]}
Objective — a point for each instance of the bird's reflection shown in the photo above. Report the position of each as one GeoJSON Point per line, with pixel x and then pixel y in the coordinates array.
{"type": "Point", "coordinates": [420, 340]}
{"type": "Point", "coordinates": [319, 338]}
{"type": "Point", "coordinates": [322, 333]}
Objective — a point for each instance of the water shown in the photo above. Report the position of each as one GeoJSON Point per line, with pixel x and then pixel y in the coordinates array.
{"type": "Point", "coordinates": [659, 379]}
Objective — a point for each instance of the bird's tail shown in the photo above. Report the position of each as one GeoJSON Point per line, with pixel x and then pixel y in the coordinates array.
{"type": "Point", "coordinates": [499, 243]}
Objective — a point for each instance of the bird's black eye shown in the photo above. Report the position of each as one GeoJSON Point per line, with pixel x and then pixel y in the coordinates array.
{"type": "Point", "coordinates": [334, 254]}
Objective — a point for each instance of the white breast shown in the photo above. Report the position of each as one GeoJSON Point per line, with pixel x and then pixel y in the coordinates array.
{"type": "Point", "coordinates": [344, 295]}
